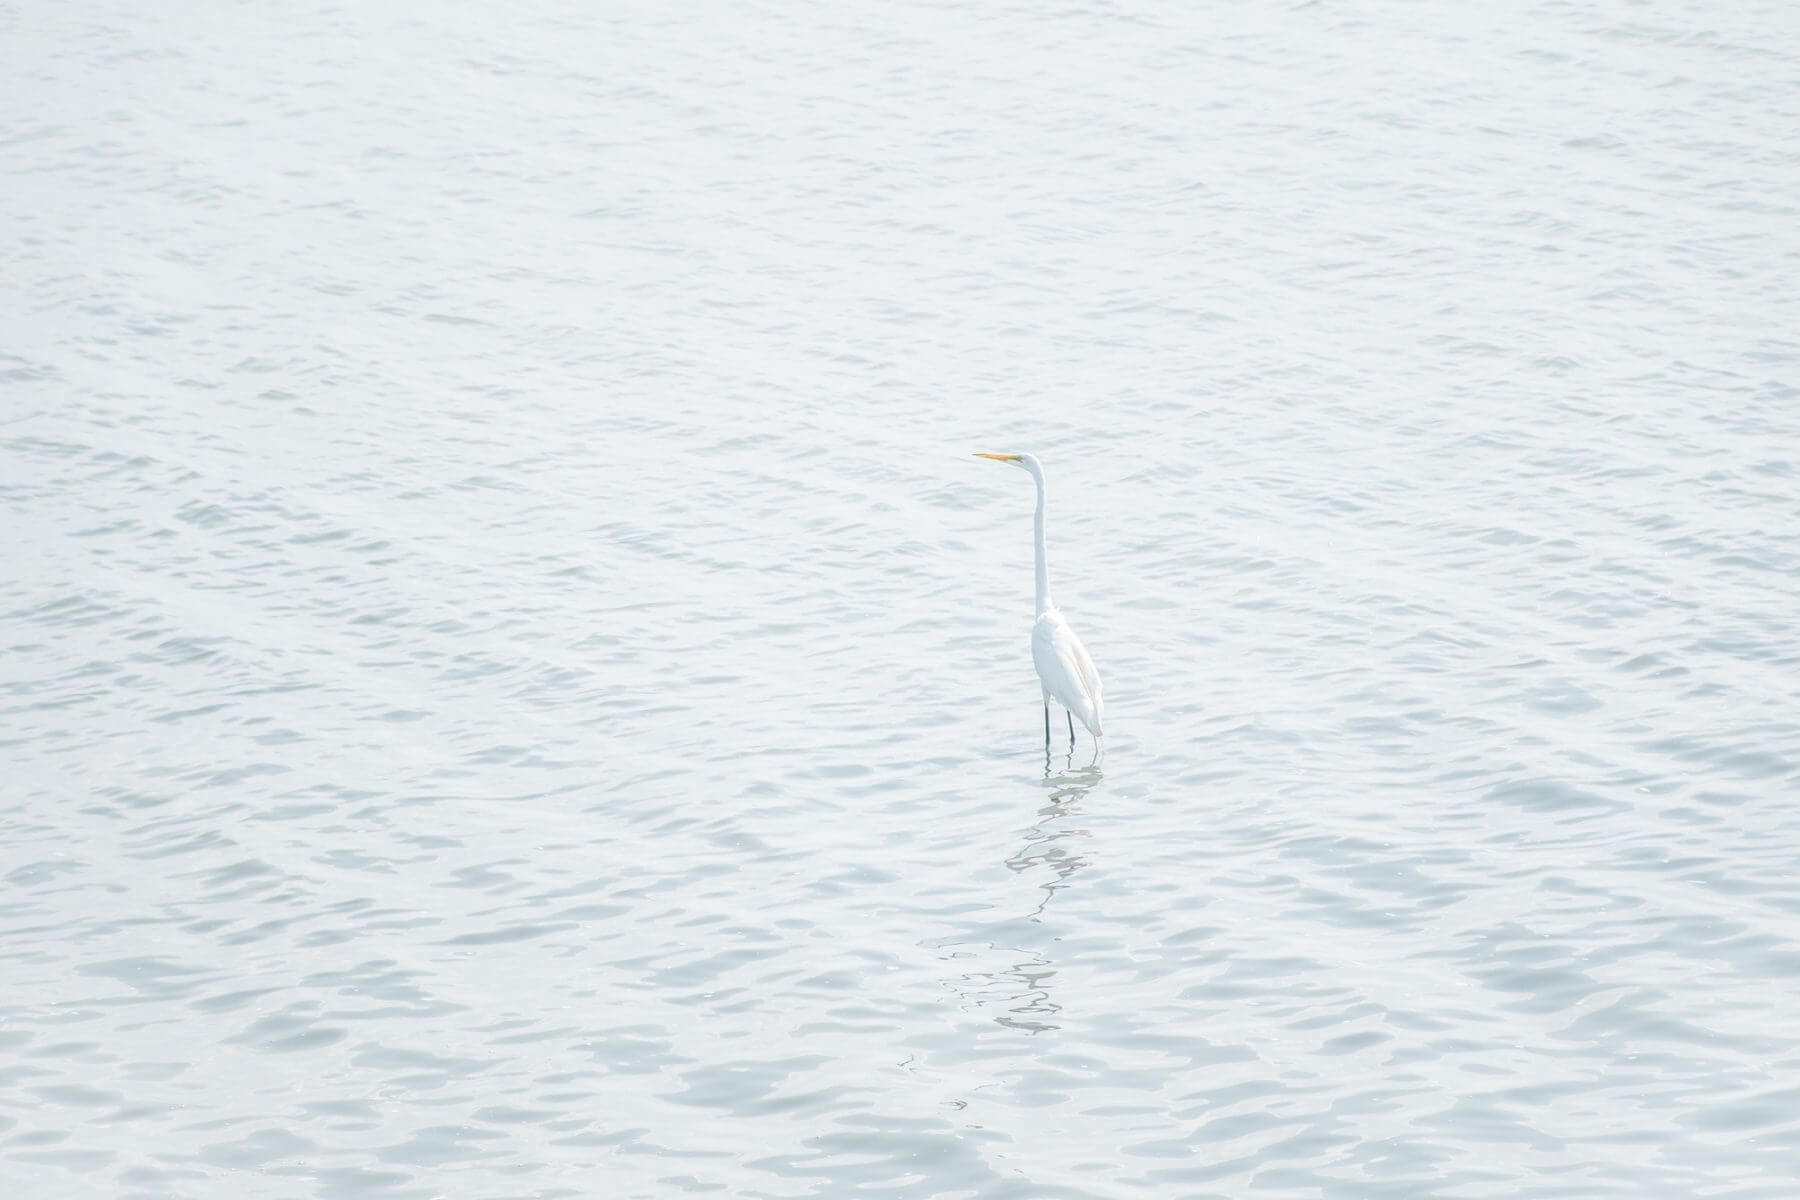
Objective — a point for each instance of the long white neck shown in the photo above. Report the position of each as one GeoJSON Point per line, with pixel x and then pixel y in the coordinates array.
{"type": "Point", "coordinates": [1043, 568]}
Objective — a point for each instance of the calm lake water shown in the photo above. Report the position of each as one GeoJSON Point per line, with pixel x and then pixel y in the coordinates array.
{"type": "Point", "coordinates": [514, 685]}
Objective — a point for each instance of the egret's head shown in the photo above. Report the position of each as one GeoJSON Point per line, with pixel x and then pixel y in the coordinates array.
{"type": "Point", "coordinates": [1017, 460]}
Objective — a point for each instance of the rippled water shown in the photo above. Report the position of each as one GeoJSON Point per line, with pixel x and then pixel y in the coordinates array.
{"type": "Point", "coordinates": [515, 687]}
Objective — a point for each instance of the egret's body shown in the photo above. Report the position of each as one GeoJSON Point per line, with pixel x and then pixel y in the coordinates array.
{"type": "Point", "coordinates": [1065, 671]}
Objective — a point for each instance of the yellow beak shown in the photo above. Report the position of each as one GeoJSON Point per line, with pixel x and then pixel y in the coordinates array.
{"type": "Point", "coordinates": [1000, 457]}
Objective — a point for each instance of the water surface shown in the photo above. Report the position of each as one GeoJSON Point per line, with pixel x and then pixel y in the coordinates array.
{"type": "Point", "coordinates": [515, 687]}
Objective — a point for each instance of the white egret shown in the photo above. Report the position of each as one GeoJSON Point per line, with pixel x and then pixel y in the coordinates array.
{"type": "Point", "coordinates": [1064, 669]}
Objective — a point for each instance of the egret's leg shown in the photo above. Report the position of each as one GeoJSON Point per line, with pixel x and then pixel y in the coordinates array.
{"type": "Point", "coordinates": [1071, 717]}
{"type": "Point", "coordinates": [1046, 724]}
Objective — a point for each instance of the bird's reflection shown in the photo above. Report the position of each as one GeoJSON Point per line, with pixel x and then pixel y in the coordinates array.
{"type": "Point", "coordinates": [1054, 842]}
{"type": "Point", "coordinates": [1070, 771]}
{"type": "Point", "coordinates": [1055, 848]}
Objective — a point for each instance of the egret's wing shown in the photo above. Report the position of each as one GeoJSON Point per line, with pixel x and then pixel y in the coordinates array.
{"type": "Point", "coordinates": [1065, 668]}
{"type": "Point", "coordinates": [1084, 665]}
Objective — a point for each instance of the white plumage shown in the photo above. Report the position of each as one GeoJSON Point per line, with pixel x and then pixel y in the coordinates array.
{"type": "Point", "coordinates": [1065, 670]}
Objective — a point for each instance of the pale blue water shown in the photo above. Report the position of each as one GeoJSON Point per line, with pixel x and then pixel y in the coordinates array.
{"type": "Point", "coordinates": [514, 685]}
